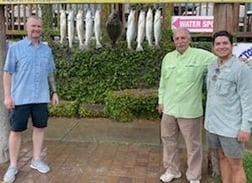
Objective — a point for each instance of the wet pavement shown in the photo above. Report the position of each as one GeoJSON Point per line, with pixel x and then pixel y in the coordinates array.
{"type": "Point", "coordinates": [99, 151]}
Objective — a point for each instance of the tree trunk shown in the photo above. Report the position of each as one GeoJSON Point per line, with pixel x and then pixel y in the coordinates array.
{"type": "Point", "coordinates": [4, 124]}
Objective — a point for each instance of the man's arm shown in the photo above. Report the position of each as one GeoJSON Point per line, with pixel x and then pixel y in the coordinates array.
{"type": "Point", "coordinates": [7, 90]}
{"type": "Point", "coordinates": [245, 92]}
{"type": "Point", "coordinates": [52, 83]}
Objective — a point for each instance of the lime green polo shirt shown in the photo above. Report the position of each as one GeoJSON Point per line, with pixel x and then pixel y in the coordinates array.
{"type": "Point", "coordinates": [180, 88]}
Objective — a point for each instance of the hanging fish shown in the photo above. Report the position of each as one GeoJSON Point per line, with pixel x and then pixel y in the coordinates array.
{"type": "Point", "coordinates": [157, 27]}
{"type": "Point", "coordinates": [114, 27]}
{"type": "Point", "coordinates": [88, 28]}
{"type": "Point", "coordinates": [97, 28]}
{"type": "Point", "coordinates": [62, 26]}
{"type": "Point", "coordinates": [80, 27]}
{"type": "Point", "coordinates": [149, 27]}
{"type": "Point", "coordinates": [140, 30]}
{"type": "Point", "coordinates": [131, 28]}
{"type": "Point", "coordinates": [70, 28]}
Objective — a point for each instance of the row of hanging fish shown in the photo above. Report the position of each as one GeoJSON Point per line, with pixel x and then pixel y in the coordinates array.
{"type": "Point", "coordinates": [86, 27]}
{"type": "Point", "coordinates": [148, 26]}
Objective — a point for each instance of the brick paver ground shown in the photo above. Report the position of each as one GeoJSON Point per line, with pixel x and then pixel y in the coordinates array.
{"type": "Point", "coordinates": [99, 151]}
{"type": "Point", "coordinates": [83, 162]}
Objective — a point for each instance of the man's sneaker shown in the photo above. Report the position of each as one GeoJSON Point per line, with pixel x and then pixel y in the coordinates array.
{"type": "Point", "coordinates": [168, 177]}
{"type": "Point", "coordinates": [194, 181]}
{"type": "Point", "coordinates": [40, 166]}
{"type": "Point", "coordinates": [10, 174]}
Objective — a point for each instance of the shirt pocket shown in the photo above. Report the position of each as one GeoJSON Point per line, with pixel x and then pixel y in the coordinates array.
{"type": "Point", "coordinates": [44, 62]}
{"type": "Point", "coordinates": [24, 62]}
{"type": "Point", "coordinates": [225, 84]}
{"type": "Point", "coordinates": [168, 71]}
{"type": "Point", "coordinates": [192, 72]}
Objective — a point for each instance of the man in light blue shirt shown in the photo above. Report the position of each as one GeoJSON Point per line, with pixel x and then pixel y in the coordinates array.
{"type": "Point", "coordinates": [28, 71]}
{"type": "Point", "coordinates": [29, 67]}
{"type": "Point", "coordinates": [228, 118]}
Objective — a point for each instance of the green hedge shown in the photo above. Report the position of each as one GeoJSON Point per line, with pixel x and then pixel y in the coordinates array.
{"type": "Point", "coordinates": [86, 76]}
{"type": "Point", "coordinates": [64, 109]}
{"type": "Point", "coordinates": [93, 77]}
{"type": "Point", "coordinates": [70, 109]}
{"type": "Point", "coordinates": [129, 104]}
{"type": "Point", "coordinates": [122, 106]}
{"type": "Point", "coordinates": [248, 166]}
{"type": "Point", "coordinates": [89, 110]}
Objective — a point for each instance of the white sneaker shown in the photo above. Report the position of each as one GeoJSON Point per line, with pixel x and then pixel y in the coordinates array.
{"type": "Point", "coordinates": [194, 181]}
{"type": "Point", "coordinates": [40, 166]}
{"type": "Point", "coordinates": [10, 174]}
{"type": "Point", "coordinates": [168, 177]}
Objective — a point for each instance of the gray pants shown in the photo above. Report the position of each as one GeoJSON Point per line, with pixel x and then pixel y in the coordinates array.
{"type": "Point", "coordinates": [191, 130]}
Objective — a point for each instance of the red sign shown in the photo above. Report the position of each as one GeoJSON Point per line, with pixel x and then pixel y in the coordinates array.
{"type": "Point", "coordinates": [194, 23]}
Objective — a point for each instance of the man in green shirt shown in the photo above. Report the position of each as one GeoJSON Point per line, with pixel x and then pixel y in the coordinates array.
{"type": "Point", "coordinates": [180, 101]}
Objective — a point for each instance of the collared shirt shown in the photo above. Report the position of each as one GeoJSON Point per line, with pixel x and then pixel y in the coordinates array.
{"type": "Point", "coordinates": [180, 89]}
{"type": "Point", "coordinates": [29, 67]}
{"type": "Point", "coordinates": [229, 99]}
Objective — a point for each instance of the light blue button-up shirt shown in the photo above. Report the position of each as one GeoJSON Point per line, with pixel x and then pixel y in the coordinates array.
{"type": "Point", "coordinates": [29, 67]}
{"type": "Point", "coordinates": [229, 98]}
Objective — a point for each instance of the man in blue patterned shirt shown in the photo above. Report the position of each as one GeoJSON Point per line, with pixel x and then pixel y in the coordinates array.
{"type": "Point", "coordinates": [28, 72]}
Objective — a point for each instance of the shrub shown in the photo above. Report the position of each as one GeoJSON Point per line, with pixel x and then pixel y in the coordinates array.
{"type": "Point", "coordinates": [90, 74]}
{"type": "Point", "coordinates": [85, 77]}
{"type": "Point", "coordinates": [126, 105]}
{"type": "Point", "coordinates": [90, 110]}
{"type": "Point", "coordinates": [64, 109]}
{"type": "Point", "coordinates": [248, 166]}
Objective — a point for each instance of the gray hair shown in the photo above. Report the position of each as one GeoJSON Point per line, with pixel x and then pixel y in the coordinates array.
{"type": "Point", "coordinates": [182, 29]}
{"type": "Point", "coordinates": [36, 17]}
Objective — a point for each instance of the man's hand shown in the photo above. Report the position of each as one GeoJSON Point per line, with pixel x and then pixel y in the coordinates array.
{"type": "Point", "coordinates": [244, 60]}
{"type": "Point", "coordinates": [55, 99]}
{"type": "Point", "coordinates": [8, 103]}
{"type": "Point", "coordinates": [243, 136]}
{"type": "Point", "coordinates": [160, 108]}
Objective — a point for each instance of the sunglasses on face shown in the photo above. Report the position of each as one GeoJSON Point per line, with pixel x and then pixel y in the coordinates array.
{"type": "Point", "coordinates": [217, 72]}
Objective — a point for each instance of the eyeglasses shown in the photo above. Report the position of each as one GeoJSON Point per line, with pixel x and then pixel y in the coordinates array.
{"type": "Point", "coordinates": [217, 72]}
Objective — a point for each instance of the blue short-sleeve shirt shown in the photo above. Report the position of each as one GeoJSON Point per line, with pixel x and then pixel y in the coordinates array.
{"type": "Point", "coordinates": [29, 67]}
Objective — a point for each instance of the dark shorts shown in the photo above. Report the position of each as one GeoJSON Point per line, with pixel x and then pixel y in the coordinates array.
{"type": "Point", "coordinates": [231, 147]}
{"type": "Point", "coordinates": [19, 116]}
